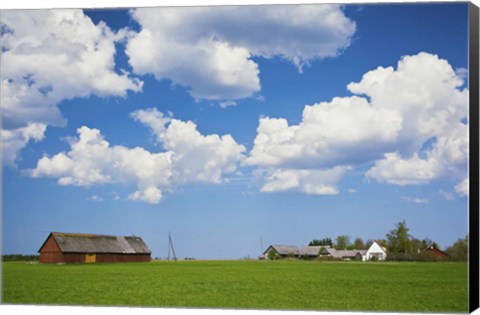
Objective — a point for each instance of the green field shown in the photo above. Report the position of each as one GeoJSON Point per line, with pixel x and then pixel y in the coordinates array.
{"type": "Point", "coordinates": [388, 286]}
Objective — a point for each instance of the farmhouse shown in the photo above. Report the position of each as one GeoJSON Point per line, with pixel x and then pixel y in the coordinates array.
{"type": "Point", "coordinates": [374, 252]}
{"type": "Point", "coordinates": [88, 248]}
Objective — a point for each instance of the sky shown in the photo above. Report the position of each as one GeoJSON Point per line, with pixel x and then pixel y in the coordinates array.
{"type": "Point", "coordinates": [234, 128]}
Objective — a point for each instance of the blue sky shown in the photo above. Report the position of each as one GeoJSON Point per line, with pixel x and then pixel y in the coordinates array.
{"type": "Point", "coordinates": [232, 126]}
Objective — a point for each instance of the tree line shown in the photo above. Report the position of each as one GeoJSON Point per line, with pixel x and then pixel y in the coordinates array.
{"type": "Point", "coordinates": [400, 245]}
{"type": "Point", "coordinates": [19, 257]}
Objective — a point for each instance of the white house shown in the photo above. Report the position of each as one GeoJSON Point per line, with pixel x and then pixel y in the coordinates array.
{"type": "Point", "coordinates": [377, 251]}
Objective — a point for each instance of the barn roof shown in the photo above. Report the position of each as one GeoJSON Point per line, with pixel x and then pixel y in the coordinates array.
{"type": "Point", "coordinates": [344, 253]}
{"type": "Point", "coordinates": [312, 250]}
{"type": "Point", "coordinates": [92, 243]}
{"type": "Point", "coordinates": [436, 251]}
{"type": "Point", "coordinates": [284, 249]}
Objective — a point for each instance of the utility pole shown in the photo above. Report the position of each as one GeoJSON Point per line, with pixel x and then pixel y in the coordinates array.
{"type": "Point", "coordinates": [170, 245]}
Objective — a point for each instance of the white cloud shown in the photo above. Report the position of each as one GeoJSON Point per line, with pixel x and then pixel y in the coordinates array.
{"type": "Point", "coordinates": [394, 169]}
{"type": "Point", "coordinates": [411, 127]}
{"type": "Point", "coordinates": [53, 55]}
{"type": "Point", "coordinates": [463, 188]}
{"type": "Point", "coordinates": [416, 200]}
{"type": "Point", "coordinates": [352, 191]}
{"type": "Point", "coordinates": [312, 182]}
{"type": "Point", "coordinates": [15, 139]}
{"type": "Point", "coordinates": [195, 157]}
{"type": "Point", "coordinates": [447, 195]}
{"type": "Point", "coordinates": [95, 198]}
{"type": "Point", "coordinates": [188, 157]}
{"type": "Point", "coordinates": [330, 133]}
{"type": "Point", "coordinates": [115, 195]}
{"type": "Point", "coordinates": [226, 104]}
{"type": "Point", "coordinates": [150, 194]}
{"type": "Point", "coordinates": [209, 49]}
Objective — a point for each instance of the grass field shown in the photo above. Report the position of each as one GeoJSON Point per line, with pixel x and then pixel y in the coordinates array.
{"type": "Point", "coordinates": [420, 287]}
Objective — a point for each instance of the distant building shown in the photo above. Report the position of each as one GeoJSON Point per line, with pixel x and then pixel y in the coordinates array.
{"type": "Point", "coordinates": [347, 254]}
{"type": "Point", "coordinates": [375, 252]}
{"type": "Point", "coordinates": [311, 251]}
{"type": "Point", "coordinates": [88, 248]}
{"type": "Point", "coordinates": [282, 251]}
{"type": "Point", "coordinates": [435, 252]}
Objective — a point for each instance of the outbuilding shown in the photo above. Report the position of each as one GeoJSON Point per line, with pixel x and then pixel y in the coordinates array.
{"type": "Point", "coordinates": [434, 252]}
{"type": "Point", "coordinates": [282, 251]}
{"type": "Point", "coordinates": [89, 248]}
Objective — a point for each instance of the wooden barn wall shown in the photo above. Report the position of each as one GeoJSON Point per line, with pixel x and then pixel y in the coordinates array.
{"type": "Point", "coordinates": [122, 258]}
{"type": "Point", "coordinates": [50, 252]}
{"type": "Point", "coordinates": [74, 258]}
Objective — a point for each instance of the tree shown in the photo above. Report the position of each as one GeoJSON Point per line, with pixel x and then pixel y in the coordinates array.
{"type": "Point", "coordinates": [358, 243]}
{"type": "Point", "coordinates": [382, 243]}
{"type": "Point", "coordinates": [323, 242]}
{"type": "Point", "coordinates": [417, 245]}
{"type": "Point", "coordinates": [272, 255]}
{"type": "Point", "coordinates": [342, 242]}
{"type": "Point", "coordinates": [459, 250]}
{"type": "Point", "coordinates": [426, 243]}
{"type": "Point", "coordinates": [398, 240]}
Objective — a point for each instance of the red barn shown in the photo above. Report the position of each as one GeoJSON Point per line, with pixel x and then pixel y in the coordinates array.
{"type": "Point", "coordinates": [87, 248]}
{"type": "Point", "coordinates": [435, 252]}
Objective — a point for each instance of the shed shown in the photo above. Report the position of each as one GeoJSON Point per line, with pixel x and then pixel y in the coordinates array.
{"type": "Point", "coordinates": [87, 248]}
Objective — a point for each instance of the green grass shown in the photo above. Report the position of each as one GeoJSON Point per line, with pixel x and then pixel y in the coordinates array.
{"type": "Point", "coordinates": [419, 287]}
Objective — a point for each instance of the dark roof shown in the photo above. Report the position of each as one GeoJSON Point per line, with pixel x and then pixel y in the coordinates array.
{"type": "Point", "coordinates": [92, 243]}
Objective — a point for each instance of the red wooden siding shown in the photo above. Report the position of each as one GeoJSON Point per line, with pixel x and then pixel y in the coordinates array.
{"type": "Point", "coordinates": [50, 252]}
{"type": "Point", "coordinates": [123, 258]}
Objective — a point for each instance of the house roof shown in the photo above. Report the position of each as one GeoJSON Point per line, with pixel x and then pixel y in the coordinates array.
{"type": "Point", "coordinates": [332, 251]}
{"type": "Point", "coordinates": [284, 249]}
{"type": "Point", "coordinates": [381, 247]}
{"type": "Point", "coordinates": [92, 243]}
{"type": "Point", "coordinates": [344, 253]}
{"type": "Point", "coordinates": [349, 253]}
{"type": "Point", "coordinates": [311, 250]}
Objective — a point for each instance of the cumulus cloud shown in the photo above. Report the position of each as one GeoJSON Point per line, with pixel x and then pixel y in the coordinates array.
{"type": "Point", "coordinates": [195, 157]}
{"type": "Point", "coordinates": [329, 134]}
{"type": "Point", "coordinates": [409, 122]}
{"type": "Point", "coordinates": [15, 139]}
{"type": "Point", "coordinates": [188, 156]}
{"type": "Point", "coordinates": [313, 182]}
{"type": "Point", "coordinates": [209, 50]}
{"type": "Point", "coordinates": [53, 55]}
